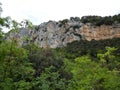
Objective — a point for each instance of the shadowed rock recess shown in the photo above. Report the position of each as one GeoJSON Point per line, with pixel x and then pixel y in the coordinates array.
{"type": "Point", "coordinates": [58, 34]}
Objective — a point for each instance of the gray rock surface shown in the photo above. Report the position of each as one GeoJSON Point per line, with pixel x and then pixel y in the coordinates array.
{"type": "Point", "coordinates": [58, 34]}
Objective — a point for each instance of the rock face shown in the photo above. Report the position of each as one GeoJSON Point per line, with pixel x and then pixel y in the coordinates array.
{"type": "Point", "coordinates": [58, 34]}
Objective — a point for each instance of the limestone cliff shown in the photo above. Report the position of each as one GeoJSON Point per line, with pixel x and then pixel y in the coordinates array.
{"type": "Point", "coordinates": [58, 34]}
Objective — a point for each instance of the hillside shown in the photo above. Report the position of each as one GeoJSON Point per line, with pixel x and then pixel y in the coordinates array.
{"type": "Point", "coordinates": [88, 57]}
{"type": "Point", "coordinates": [59, 34]}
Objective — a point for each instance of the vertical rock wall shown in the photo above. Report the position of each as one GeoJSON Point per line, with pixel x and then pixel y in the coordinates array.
{"type": "Point", "coordinates": [58, 34]}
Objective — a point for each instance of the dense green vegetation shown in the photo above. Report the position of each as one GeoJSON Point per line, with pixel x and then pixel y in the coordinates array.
{"type": "Point", "coordinates": [98, 20]}
{"type": "Point", "coordinates": [83, 47]}
{"type": "Point", "coordinates": [95, 20]}
{"type": "Point", "coordinates": [83, 65]}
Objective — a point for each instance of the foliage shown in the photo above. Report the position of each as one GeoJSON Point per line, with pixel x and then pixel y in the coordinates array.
{"type": "Point", "coordinates": [27, 24]}
{"type": "Point", "coordinates": [108, 59]}
{"type": "Point", "coordinates": [50, 80]}
{"type": "Point", "coordinates": [5, 22]}
{"type": "Point", "coordinates": [98, 20]}
{"type": "Point", "coordinates": [80, 48]}
{"type": "Point", "coordinates": [16, 72]}
{"type": "Point", "coordinates": [43, 58]}
{"type": "Point", "coordinates": [63, 22]}
{"type": "Point", "coordinates": [89, 75]}
{"type": "Point", "coordinates": [84, 65]}
{"type": "Point", "coordinates": [14, 66]}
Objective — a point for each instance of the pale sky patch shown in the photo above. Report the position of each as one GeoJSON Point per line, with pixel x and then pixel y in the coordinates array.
{"type": "Point", "coordinates": [39, 11]}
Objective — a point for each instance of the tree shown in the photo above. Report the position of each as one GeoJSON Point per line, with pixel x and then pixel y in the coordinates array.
{"type": "Point", "coordinates": [50, 80]}
{"type": "Point", "coordinates": [89, 75]}
{"type": "Point", "coordinates": [16, 70]}
{"type": "Point", "coordinates": [27, 24]}
{"type": "Point", "coordinates": [108, 59]}
{"type": "Point", "coordinates": [43, 58]}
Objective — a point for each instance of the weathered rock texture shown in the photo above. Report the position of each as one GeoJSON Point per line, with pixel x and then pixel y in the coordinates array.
{"type": "Point", "coordinates": [58, 34]}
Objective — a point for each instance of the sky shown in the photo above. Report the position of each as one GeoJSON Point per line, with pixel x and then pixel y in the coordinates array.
{"type": "Point", "coordinates": [39, 11]}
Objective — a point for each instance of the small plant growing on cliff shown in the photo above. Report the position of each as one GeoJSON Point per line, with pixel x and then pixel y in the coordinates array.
{"type": "Point", "coordinates": [27, 24]}
{"type": "Point", "coordinates": [64, 21]}
{"type": "Point", "coordinates": [76, 27]}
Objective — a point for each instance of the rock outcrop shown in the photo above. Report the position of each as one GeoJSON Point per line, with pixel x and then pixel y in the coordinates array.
{"type": "Point", "coordinates": [58, 34]}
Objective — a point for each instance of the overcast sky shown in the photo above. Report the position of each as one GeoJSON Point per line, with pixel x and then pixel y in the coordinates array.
{"type": "Point", "coordinates": [39, 11]}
